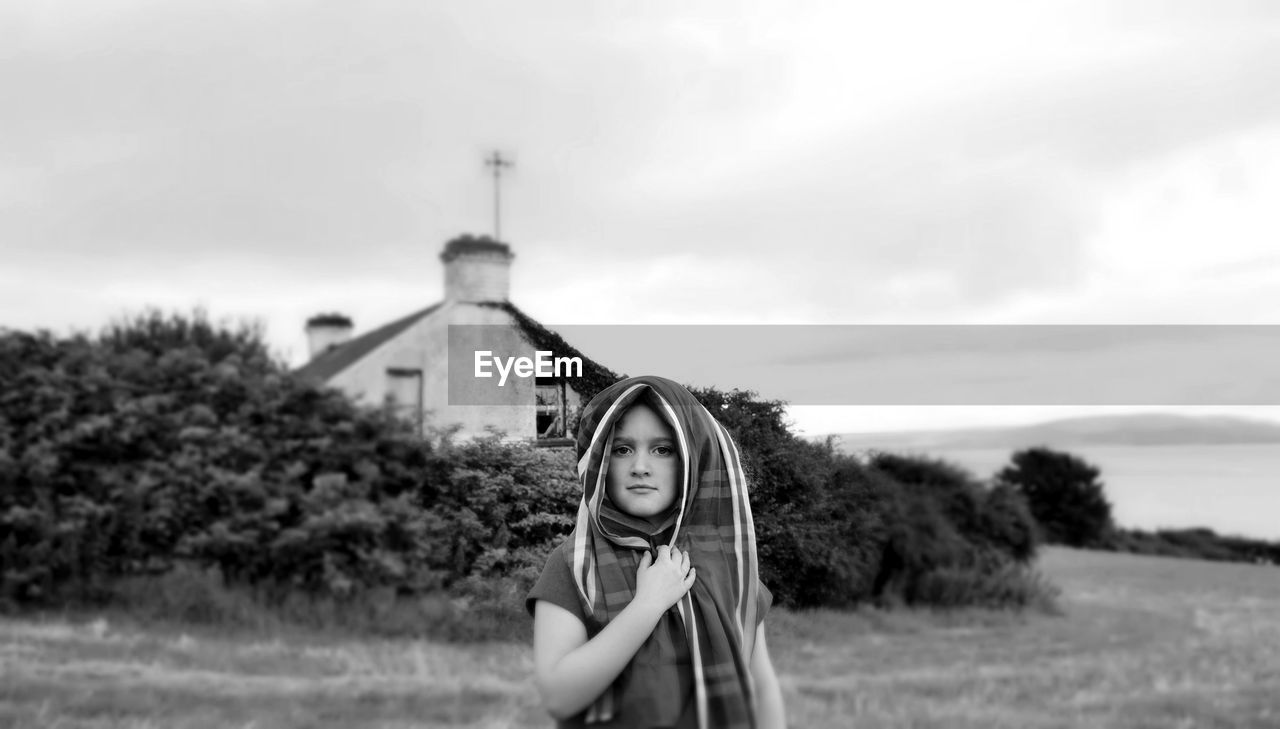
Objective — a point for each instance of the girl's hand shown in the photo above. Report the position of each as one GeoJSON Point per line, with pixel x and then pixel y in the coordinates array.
{"type": "Point", "coordinates": [661, 582]}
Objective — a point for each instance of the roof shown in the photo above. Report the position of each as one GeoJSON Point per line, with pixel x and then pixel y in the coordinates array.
{"type": "Point", "coordinates": [330, 362]}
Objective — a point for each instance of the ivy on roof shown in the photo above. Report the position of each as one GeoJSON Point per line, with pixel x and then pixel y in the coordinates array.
{"type": "Point", "coordinates": [595, 376]}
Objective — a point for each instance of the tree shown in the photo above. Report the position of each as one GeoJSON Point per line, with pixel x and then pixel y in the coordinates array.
{"type": "Point", "coordinates": [1064, 494]}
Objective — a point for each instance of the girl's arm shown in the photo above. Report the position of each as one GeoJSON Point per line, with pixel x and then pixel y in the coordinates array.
{"type": "Point", "coordinates": [572, 671]}
{"type": "Point", "coordinates": [769, 709]}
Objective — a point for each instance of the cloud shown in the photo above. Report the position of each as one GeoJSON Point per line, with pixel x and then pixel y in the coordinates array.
{"type": "Point", "coordinates": [989, 195]}
{"type": "Point", "coordinates": [819, 162]}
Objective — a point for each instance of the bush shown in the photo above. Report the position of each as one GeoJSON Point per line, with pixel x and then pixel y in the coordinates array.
{"type": "Point", "coordinates": [832, 531]}
{"type": "Point", "coordinates": [172, 453]}
{"type": "Point", "coordinates": [1196, 543]}
{"type": "Point", "coordinates": [947, 531]}
{"type": "Point", "coordinates": [1066, 497]}
{"type": "Point", "coordinates": [941, 487]}
{"type": "Point", "coordinates": [171, 439]}
{"type": "Point", "coordinates": [1064, 494]}
{"type": "Point", "coordinates": [1003, 584]}
{"type": "Point", "coordinates": [819, 516]}
{"type": "Point", "coordinates": [501, 507]}
{"type": "Point", "coordinates": [1006, 523]}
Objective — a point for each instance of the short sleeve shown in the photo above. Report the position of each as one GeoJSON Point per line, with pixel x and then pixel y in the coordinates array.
{"type": "Point", "coordinates": [764, 601]}
{"type": "Point", "coordinates": [556, 586]}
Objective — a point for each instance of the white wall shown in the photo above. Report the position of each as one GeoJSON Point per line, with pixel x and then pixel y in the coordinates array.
{"type": "Point", "coordinates": [424, 346]}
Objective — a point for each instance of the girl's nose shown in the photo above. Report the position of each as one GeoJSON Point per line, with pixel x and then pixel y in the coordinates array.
{"type": "Point", "coordinates": [640, 466]}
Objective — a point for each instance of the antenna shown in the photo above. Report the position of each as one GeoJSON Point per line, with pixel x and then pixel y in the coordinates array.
{"type": "Point", "coordinates": [497, 162]}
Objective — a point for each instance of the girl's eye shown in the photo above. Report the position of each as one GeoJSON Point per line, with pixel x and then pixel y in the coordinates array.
{"type": "Point", "coordinates": [622, 450]}
{"type": "Point", "coordinates": [663, 450]}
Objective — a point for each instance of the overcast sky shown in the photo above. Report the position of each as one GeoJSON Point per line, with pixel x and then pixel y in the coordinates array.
{"type": "Point", "coordinates": [711, 162]}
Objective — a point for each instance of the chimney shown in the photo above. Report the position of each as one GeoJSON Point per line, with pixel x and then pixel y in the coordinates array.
{"type": "Point", "coordinates": [326, 331]}
{"type": "Point", "coordinates": [476, 269]}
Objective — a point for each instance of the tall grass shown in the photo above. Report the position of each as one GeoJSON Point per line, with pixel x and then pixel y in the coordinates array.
{"type": "Point", "coordinates": [1010, 585]}
{"type": "Point", "coordinates": [477, 610]}
{"type": "Point", "coordinates": [189, 596]}
{"type": "Point", "coordinates": [1138, 643]}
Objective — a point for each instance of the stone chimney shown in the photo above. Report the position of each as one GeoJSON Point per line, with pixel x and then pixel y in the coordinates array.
{"type": "Point", "coordinates": [476, 269]}
{"type": "Point", "coordinates": [326, 331]}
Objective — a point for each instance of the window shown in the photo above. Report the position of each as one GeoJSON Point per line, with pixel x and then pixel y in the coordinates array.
{"type": "Point", "coordinates": [404, 394]}
{"type": "Point", "coordinates": [550, 400]}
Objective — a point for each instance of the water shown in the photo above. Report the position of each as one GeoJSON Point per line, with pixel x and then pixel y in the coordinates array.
{"type": "Point", "coordinates": [1232, 489]}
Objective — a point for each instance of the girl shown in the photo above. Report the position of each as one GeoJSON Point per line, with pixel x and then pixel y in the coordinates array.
{"type": "Point", "coordinates": [651, 613]}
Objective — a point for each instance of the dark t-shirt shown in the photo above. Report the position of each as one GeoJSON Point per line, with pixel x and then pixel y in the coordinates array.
{"type": "Point", "coordinates": [556, 586]}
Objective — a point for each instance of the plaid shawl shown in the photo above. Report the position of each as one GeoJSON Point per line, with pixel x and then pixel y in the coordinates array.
{"type": "Point", "coordinates": [712, 520]}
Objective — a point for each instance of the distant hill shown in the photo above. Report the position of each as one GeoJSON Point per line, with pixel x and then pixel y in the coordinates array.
{"type": "Point", "coordinates": [1143, 429]}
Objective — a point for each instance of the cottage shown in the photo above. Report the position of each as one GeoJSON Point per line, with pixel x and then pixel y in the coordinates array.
{"type": "Point", "coordinates": [459, 361]}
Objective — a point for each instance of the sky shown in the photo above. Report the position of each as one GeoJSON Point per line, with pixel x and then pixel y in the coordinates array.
{"type": "Point", "coordinates": [1103, 163]}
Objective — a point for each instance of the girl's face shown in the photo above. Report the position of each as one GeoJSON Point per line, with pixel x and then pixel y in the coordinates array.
{"type": "Point", "coordinates": [644, 465]}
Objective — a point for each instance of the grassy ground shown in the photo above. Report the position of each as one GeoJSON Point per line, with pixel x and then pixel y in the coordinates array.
{"type": "Point", "coordinates": [1144, 642]}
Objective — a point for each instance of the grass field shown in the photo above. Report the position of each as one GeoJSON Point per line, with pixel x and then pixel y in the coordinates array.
{"type": "Point", "coordinates": [1143, 642]}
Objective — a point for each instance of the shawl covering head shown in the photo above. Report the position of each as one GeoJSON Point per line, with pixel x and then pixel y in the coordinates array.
{"type": "Point", "coordinates": [711, 519]}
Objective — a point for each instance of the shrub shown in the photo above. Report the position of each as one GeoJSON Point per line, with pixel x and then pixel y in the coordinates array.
{"type": "Point", "coordinates": [171, 438]}
{"type": "Point", "coordinates": [946, 530]}
{"type": "Point", "coordinates": [1003, 584]}
{"type": "Point", "coordinates": [1195, 543]}
{"type": "Point", "coordinates": [1006, 523]}
{"type": "Point", "coordinates": [834, 532]}
{"type": "Point", "coordinates": [950, 490]}
{"type": "Point", "coordinates": [819, 516]}
{"type": "Point", "coordinates": [502, 507]}
{"type": "Point", "coordinates": [171, 452]}
{"type": "Point", "coordinates": [1064, 494]}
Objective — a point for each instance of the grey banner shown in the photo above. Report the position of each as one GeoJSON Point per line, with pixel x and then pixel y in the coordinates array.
{"type": "Point", "coordinates": [911, 365]}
